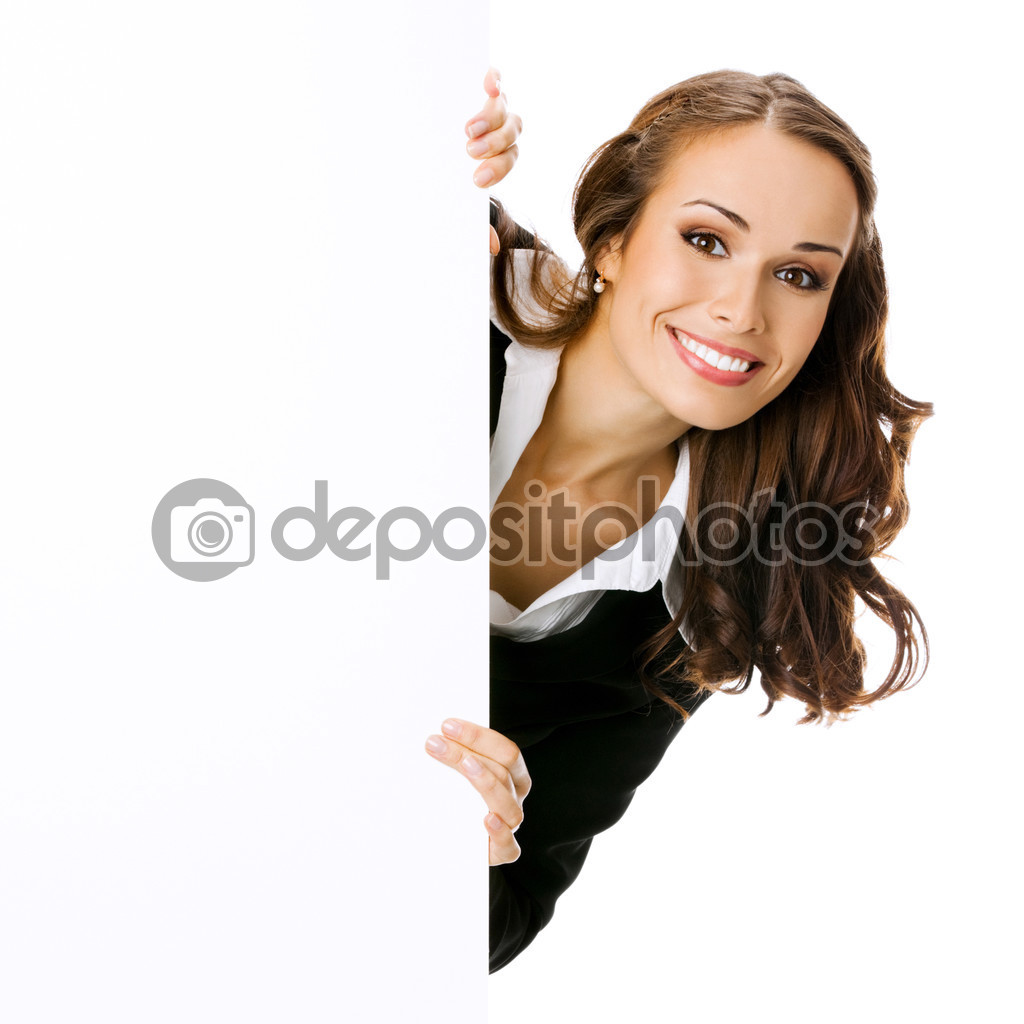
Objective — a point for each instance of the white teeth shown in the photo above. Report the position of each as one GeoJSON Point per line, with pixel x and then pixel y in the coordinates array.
{"type": "Point", "coordinates": [716, 359]}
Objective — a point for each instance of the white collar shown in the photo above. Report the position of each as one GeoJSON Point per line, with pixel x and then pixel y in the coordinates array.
{"type": "Point", "coordinates": [529, 378]}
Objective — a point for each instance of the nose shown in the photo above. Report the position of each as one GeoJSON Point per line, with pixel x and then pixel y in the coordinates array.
{"type": "Point", "coordinates": [739, 303]}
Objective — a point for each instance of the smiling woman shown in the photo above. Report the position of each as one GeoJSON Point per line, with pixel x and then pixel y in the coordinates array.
{"type": "Point", "coordinates": [724, 291]}
{"type": "Point", "coordinates": [715, 373]}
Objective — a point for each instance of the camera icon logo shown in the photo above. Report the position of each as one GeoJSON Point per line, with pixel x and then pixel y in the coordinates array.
{"type": "Point", "coordinates": [203, 530]}
{"type": "Point", "coordinates": [210, 531]}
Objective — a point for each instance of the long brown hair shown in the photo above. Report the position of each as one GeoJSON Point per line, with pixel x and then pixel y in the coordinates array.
{"type": "Point", "coordinates": [809, 490]}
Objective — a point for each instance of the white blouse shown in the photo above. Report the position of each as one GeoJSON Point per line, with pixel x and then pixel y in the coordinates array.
{"type": "Point", "coordinates": [529, 378]}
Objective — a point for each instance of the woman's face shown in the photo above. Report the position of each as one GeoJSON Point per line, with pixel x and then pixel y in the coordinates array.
{"type": "Point", "coordinates": [721, 291]}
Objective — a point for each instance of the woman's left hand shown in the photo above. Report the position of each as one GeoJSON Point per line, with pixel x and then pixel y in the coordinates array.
{"type": "Point", "coordinates": [492, 138]}
{"type": "Point", "coordinates": [495, 768]}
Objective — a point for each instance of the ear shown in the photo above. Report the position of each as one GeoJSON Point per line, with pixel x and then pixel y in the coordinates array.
{"type": "Point", "coordinates": [609, 258]}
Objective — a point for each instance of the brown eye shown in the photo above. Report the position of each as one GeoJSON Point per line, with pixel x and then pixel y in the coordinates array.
{"type": "Point", "coordinates": [798, 278]}
{"type": "Point", "coordinates": [706, 242]}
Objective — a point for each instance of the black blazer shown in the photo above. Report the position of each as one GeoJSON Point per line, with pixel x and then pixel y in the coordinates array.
{"type": "Point", "coordinates": [589, 732]}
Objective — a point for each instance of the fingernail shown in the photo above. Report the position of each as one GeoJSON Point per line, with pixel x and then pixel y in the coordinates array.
{"type": "Point", "coordinates": [472, 765]}
{"type": "Point", "coordinates": [436, 745]}
{"type": "Point", "coordinates": [484, 176]}
{"type": "Point", "coordinates": [476, 128]}
{"type": "Point", "coordinates": [451, 728]}
{"type": "Point", "coordinates": [493, 822]}
{"type": "Point", "coordinates": [477, 147]}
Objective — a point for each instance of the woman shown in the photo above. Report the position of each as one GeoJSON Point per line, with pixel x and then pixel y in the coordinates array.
{"type": "Point", "coordinates": [695, 438]}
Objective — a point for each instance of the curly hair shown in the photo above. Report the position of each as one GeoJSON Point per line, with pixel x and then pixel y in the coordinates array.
{"type": "Point", "coordinates": [819, 469]}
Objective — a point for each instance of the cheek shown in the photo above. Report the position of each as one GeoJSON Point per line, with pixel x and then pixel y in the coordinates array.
{"type": "Point", "coordinates": [803, 336]}
{"type": "Point", "coordinates": [656, 285]}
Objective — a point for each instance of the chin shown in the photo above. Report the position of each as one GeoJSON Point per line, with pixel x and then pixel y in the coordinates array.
{"type": "Point", "coordinates": [720, 411]}
{"type": "Point", "coordinates": [704, 418]}
{"type": "Point", "coordinates": [719, 422]}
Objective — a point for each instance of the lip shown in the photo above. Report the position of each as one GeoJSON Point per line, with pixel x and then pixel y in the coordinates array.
{"type": "Point", "coordinates": [724, 377]}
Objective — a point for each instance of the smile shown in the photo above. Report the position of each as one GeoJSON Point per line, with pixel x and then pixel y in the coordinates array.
{"type": "Point", "coordinates": [711, 356]}
{"type": "Point", "coordinates": [721, 367]}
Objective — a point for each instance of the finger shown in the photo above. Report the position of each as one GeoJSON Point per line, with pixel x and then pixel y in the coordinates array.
{"type": "Point", "coordinates": [491, 171]}
{"type": "Point", "coordinates": [495, 788]}
{"type": "Point", "coordinates": [496, 141]}
{"type": "Point", "coordinates": [491, 744]}
{"type": "Point", "coordinates": [490, 779]}
{"type": "Point", "coordinates": [452, 754]}
{"type": "Point", "coordinates": [492, 82]}
{"type": "Point", "coordinates": [502, 847]}
{"type": "Point", "coordinates": [491, 117]}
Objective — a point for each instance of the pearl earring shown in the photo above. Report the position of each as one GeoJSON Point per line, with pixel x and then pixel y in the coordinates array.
{"type": "Point", "coordinates": [599, 284]}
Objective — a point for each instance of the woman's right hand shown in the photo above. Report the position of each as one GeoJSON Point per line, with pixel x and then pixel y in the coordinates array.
{"type": "Point", "coordinates": [495, 768]}
{"type": "Point", "coordinates": [492, 139]}
{"type": "Point", "coordinates": [492, 134]}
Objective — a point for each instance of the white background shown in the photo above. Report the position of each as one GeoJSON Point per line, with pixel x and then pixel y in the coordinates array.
{"type": "Point", "coordinates": [240, 241]}
{"type": "Point", "coordinates": [869, 871]}
{"type": "Point", "coordinates": [237, 240]}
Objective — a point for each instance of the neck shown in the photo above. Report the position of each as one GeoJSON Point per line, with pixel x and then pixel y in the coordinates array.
{"type": "Point", "coordinates": [599, 425]}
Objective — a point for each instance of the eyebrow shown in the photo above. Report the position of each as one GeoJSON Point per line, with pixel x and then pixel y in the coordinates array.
{"type": "Point", "coordinates": [736, 219]}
